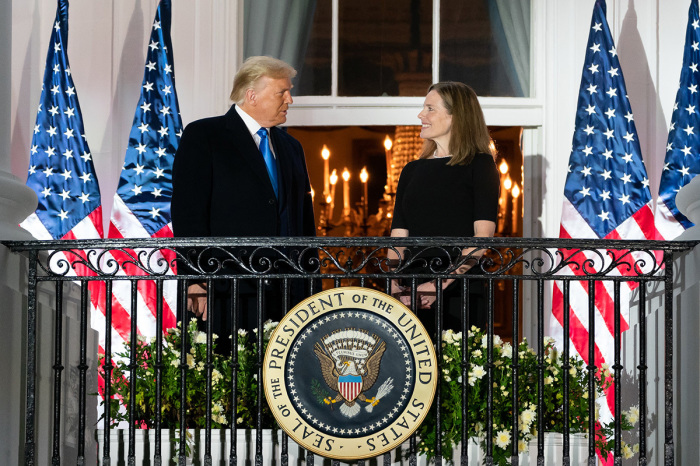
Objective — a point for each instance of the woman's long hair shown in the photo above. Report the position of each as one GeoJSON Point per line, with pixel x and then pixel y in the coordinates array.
{"type": "Point", "coordinates": [469, 134]}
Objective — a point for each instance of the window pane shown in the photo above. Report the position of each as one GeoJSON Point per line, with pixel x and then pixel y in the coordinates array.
{"type": "Point", "coordinates": [486, 44]}
{"type": "Point", "coordinates": [314, 76]}
{"type": "Point", "coordinates": [384, 47]}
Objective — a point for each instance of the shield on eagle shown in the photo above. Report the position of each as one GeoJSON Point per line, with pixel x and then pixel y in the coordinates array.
{"type": "Point", "coordinates": [350, 386]}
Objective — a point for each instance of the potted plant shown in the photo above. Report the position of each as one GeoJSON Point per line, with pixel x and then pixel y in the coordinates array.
{"type": "Point", "coordinates": [244, 416]}
{"type": "Point", "coordinates": [502, 405]}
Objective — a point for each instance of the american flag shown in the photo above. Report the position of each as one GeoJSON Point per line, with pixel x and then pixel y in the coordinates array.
{"type": "Point", "coordinates": [683, 146]}
{"type": "Point", "coordinates": [61, 171]}
{"type": "Point", "coordinates": [606, 194]}
{"type": "Point", "coordinates": [141, 206]}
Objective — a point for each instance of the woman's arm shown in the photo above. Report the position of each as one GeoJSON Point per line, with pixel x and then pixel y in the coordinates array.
{"type": "Point", "coordinates": [394, 255]}
{"type": "Point", "coordinates": [427, 290]}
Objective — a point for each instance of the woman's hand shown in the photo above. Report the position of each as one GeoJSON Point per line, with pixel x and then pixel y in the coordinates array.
{"type": "Point", "coordinates": [197, 300]}
{"type": "Point", "coordinates": [426, 295]}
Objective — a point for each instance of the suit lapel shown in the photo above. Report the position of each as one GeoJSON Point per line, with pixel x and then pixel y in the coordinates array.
{"type": "Point", "coordinates": [240, 140]}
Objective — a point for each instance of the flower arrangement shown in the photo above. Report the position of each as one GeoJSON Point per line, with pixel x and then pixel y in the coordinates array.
{"type": "Point", "coordinates": [502, 405]}
{"type": "Point", "coordinates": [196, 357]}
{"type": "Point", "coordinates": [451, 385]}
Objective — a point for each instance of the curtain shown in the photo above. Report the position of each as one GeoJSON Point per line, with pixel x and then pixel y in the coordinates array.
{"type": "Point", "coordinates": [279, 28]}
{"type": "Point", "coordinates": [510, 22]}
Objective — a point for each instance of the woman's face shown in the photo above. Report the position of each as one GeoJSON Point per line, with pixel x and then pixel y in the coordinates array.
{"type": "Point", "coordinates": [435, 121]}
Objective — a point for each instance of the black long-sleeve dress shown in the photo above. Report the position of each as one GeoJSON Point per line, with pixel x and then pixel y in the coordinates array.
{"type": "Point", "coordinates": [435, 199]}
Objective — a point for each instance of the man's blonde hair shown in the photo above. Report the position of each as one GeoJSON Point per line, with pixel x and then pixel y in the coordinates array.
{"type": "Point", "coordinates": [255, 68]}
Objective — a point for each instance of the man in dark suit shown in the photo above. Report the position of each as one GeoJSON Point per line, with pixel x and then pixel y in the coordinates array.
{"type": "Point", "coordinates": [238, 175]}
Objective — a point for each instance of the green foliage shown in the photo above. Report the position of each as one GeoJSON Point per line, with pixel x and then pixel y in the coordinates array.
{"type": "Point", "coordinates": [222, 369]}
{"type": "Point", "coordinates": [477, 388]}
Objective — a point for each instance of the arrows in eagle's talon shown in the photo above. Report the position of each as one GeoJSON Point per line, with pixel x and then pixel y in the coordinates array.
{"type": "Point", "coordinates": [328, 400]}
{"type": "Point", "coordinates": [372, 400]}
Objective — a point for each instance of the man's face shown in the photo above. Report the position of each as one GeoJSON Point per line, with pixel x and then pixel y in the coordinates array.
{"type": "Point", "coordinates": [272, 99]}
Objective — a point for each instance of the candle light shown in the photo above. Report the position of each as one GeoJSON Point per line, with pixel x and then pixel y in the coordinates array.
{"type": "Point", "coordinates": [325, 154]}
{"type": "Point", "coordinates": [515, 192]}
{"type": "Point", "coordinates": [364, 176]}
{"type": "Point", "coordinates": [346, 192]}
{"type": "Point", "coordinates": [331, 202]}
{"type": "Point", "coordinates": [503, 198]}
{"type": "Point", "coordinates": [389, 165]}
{"type": "Point", "coordinates": [503, 167]}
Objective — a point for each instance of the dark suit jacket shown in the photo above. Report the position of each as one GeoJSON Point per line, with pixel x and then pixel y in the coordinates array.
{"type": "Point", "coordinates": [221, 186]}
{"type": "Point", "coordinates": [221, 189]}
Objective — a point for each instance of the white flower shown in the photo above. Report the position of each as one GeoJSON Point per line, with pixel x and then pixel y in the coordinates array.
{"type": "Point", "coordinates": [572, 371]}
{"type": "Point", "coordinates": [522, 446]}
{"type": "Point", "coordinates": [478, 372]}
{"type": "Point", "coordinates": [626, 451]}
{"type": "Point", "coordinates": [548, 380]}
{"type": "Point", "coordinates": [548, 341]}
{"type": "Point", "coordinates": [496, 341]}
{"type": "Point", "coordinates": [502, 438]}
{"type": "Point", "coordinates": [633, 415]}
{"type": "Point", "coordinates": [190, 361]}
{"type": "Point", "coordinates": [459, 379]}
{"type": "Point", "coordinates": [471, 380]}
{"type": "Point", "coordinates": [175, 362]}
{"type": "Point", "coordinates": [476, 353]}
{"type": "Point", "coordinates": [527, 417]}
{"type": "Point", "coordinates": [239, 420]}
{"type": "Point", "coordinates": [200, 338]}
{"type": "Point", "coordinates": [447, 336]}
{"type": "Point", "coordinates": [269, 325]}
{"type": "Point", "coordinates": [448, 378]}
{"type": "Point", "coordinates": [242, 332]}
{"type": "Point", "coordinates": [507, 350]}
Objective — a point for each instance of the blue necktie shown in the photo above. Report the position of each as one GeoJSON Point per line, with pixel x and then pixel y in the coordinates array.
{"type": "Point", "coordinates": [269, 158]}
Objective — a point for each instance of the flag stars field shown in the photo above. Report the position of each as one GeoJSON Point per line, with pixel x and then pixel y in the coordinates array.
{"type": "Point", "coordinates": [679, 166]}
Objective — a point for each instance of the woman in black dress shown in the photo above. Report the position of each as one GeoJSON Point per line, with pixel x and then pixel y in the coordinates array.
{"type": "Point", "coordinates": [451, 190]}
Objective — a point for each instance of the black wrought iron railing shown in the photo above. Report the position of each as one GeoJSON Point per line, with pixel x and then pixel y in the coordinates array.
{"type": "Point", "coordinates": [527, 266]}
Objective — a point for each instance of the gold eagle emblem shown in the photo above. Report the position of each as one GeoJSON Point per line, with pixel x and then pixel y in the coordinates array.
{"type": "Point", "coordinates": [350, 360]}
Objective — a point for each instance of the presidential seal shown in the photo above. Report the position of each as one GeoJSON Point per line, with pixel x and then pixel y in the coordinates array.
{"type": "Point", "coordinates": [350, 373]}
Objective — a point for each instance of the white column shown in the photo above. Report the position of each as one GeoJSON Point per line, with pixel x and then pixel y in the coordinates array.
{"type": "Point", "coordinates": [688, 202]}
{"type": "Point", "coordinates": [17, 201]}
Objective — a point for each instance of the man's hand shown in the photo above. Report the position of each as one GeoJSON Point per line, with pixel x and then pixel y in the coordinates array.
{"type": "Point", "coordinates": [197, 300]}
